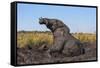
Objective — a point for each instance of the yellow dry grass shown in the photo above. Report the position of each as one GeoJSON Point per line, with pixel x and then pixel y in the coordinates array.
{"type": "Point", "coordinates": [40, 38]}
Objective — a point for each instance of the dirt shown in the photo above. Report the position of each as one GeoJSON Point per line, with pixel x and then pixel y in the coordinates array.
{"type": "Point", "coordinates": [36, 55]}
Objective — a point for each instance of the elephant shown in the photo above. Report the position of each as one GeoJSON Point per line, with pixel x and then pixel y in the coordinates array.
{"type": "Point", "coordinates": [64, 42]}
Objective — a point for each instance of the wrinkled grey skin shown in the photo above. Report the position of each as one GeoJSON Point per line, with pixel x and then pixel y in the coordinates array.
{"type": "Point", "coordinates": [64, 42]}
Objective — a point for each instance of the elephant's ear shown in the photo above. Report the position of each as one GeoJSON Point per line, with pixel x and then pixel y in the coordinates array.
{"type": "Point", "coordinates": [59, 23]}
{"type": "Point", "coordinates": [55, 24]}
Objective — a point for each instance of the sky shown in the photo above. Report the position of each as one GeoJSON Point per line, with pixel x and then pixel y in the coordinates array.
{"type": "Point", "coordinates": [78, 19]}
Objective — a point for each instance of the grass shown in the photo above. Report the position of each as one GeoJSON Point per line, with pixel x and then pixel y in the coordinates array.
{"type": "Point", "coordinates": [39, 38]}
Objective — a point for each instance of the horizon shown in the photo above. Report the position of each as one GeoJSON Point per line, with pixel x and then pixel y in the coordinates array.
{"type": "Point", "coordinates": [50, 31]}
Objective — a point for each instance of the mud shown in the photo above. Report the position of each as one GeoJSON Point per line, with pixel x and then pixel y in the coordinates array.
{"type": "Point", "coordinates": [36, 55]}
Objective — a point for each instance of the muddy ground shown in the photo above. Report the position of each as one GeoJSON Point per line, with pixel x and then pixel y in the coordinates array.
{"type": "Point", "coordinates": [36, 55]}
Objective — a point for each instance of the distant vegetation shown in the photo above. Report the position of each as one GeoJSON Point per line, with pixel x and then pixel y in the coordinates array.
{"type": "Point", "coordinates": [38, 38]}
